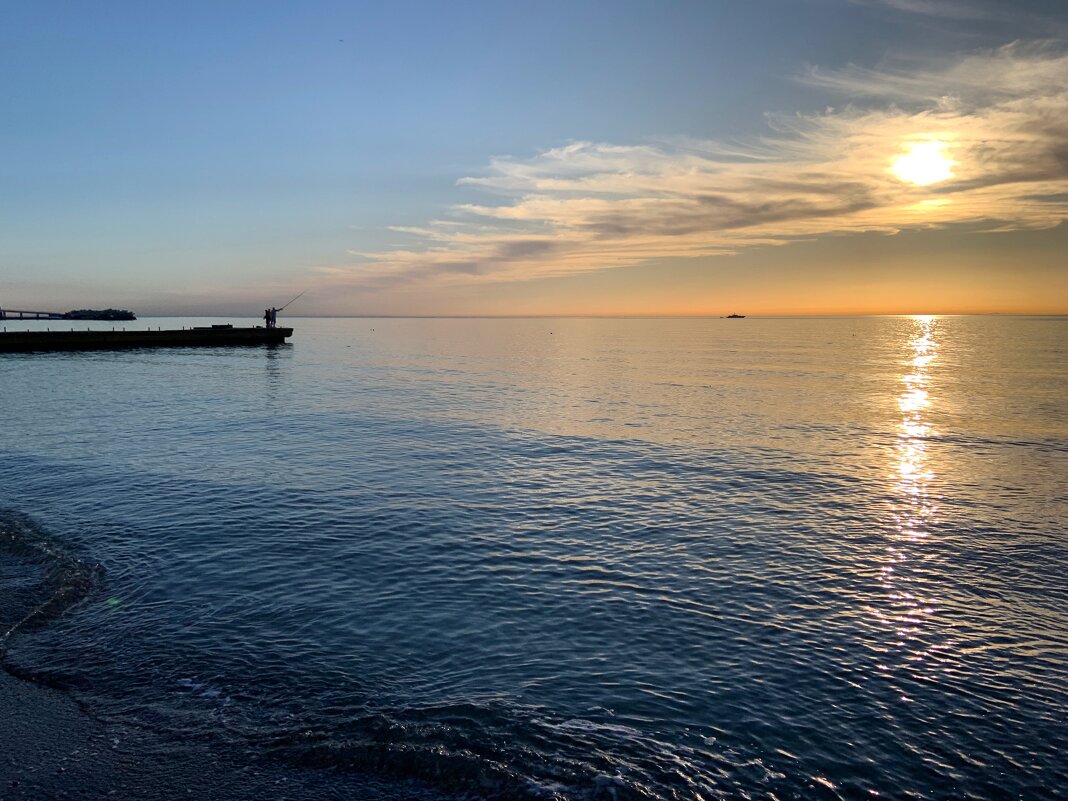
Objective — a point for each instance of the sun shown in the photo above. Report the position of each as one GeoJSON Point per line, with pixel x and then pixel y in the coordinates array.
{"type": "Point", "coordinates": [924, 164]}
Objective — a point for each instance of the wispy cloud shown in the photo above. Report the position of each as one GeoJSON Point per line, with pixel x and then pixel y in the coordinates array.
{"type": "Point", "coordinates": [1028, 16]}
{"type": "Point", "coordinates": [949, 9]}
{"type": "Point", "coordinates": [1002, 116]}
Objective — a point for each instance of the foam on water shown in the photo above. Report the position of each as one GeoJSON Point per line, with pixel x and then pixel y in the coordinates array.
{"type": "Point", "coordinates": [41, 580]}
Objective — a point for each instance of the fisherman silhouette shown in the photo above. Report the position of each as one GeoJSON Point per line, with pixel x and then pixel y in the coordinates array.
{"type": "Point", "coordinates": [270, 316]}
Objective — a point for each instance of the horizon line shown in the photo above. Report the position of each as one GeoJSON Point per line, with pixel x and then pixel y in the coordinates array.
{"type": "Point", "coordinates": [628, 316]}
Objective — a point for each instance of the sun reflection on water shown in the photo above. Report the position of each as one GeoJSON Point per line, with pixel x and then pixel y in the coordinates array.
{"type": "Point", "coordinates": [913, 471]}
{"type": "Point", "coordinates": [916, 507]}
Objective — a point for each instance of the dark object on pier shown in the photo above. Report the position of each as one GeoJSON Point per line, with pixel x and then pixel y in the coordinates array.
{"type": "Point", "coordinates": [100, 314]}
{"type": "Point", "coordinates": [212, 336]}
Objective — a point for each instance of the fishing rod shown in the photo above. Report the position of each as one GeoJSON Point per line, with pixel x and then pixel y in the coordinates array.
{"type": "Point", "coordinates": [296, 298]}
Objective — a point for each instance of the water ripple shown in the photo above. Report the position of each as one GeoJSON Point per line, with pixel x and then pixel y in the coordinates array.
{"type": "Point", "coordinates": [660, 560]}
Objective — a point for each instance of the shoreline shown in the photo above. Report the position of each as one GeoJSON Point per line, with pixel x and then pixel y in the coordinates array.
{"type": "Point", "coordinates": [54, 749]}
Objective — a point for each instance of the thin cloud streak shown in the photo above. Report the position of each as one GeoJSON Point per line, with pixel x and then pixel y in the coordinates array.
{"type": "Point", "coordinates": [948, 9]}
{"type": "Point", "coordinates": [975, 11]}
{"type": "Point", "coordinates": [1002, 116]}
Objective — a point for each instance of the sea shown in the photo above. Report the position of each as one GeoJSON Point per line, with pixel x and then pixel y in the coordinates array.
{"type": "Point", "coordinates": [561, 558]}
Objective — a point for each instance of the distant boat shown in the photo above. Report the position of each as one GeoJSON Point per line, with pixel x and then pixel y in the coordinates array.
{"type": "Point", "coordinates": [735, 316]}
{"type": "Point", "coordinates": [206, 336]}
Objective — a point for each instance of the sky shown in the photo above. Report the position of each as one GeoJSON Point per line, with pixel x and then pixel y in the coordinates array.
{"type": "Point", "coordinates": [507, 158]}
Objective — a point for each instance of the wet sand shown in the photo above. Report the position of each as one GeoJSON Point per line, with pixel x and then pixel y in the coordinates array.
{"type": "Point", "coordinates": [50, 748]}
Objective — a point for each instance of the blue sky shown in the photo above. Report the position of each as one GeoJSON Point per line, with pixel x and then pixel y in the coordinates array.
{"type": "Point", "coordinates": [183, 157]}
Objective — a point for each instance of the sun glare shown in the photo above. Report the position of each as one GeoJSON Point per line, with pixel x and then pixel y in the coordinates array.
{"type": "Point", "coordinates": [924, 164]}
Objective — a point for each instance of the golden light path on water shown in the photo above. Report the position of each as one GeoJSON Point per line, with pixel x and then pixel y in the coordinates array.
{"type": "Point", "coordinates": [916, 505]}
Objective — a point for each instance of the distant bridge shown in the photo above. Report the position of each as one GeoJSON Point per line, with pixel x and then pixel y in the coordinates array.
{"type": "Point", "coordinates": [21, 314]}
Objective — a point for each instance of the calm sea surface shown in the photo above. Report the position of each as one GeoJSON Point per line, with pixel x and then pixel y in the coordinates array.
{"type": "Point", "coordinates": [568, 558]}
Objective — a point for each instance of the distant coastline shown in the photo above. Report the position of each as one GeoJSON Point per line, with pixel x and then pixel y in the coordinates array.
{"type": "Point", "coordinates": [100, 314]}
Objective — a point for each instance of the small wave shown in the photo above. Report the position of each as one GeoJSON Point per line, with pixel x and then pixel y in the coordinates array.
{"type": "Point", "coordinates": [498, 751]}
{"type": "Point", "coordinates": [65, 581]}
{"type": "Point", "coordinates": [1035, 445]}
